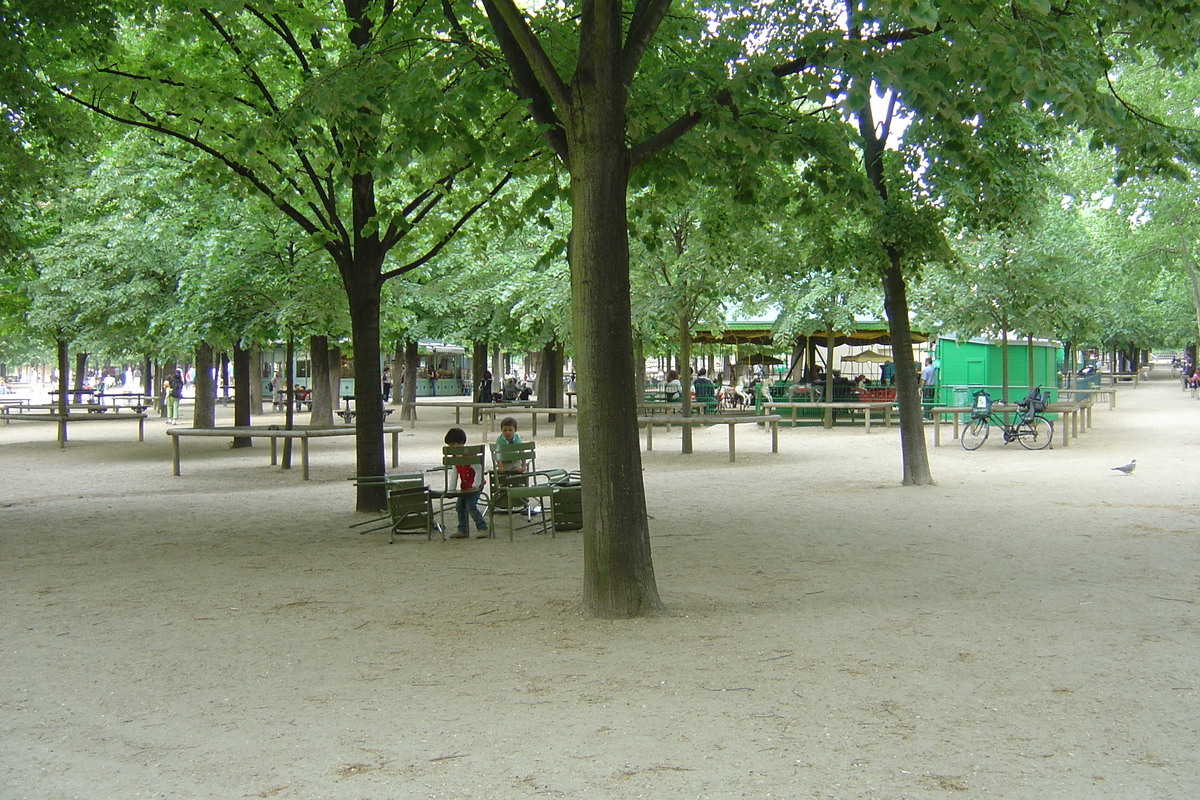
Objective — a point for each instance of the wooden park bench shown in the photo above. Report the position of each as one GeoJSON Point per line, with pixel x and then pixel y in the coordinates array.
{"type": "Point", "coordinates": [866, 407]}
{"type": "Point", "coordinates": [732, 420]}
{"type": "Point", "coordinates": [274, 433]}
{"type": "Point", "coordinates": [50, 413]}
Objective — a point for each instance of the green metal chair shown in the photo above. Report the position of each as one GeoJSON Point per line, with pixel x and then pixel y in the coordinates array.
{"type": "Point", "coordinates": [516, 492]}
{"type": "Point", "coordinates": [411, 510]}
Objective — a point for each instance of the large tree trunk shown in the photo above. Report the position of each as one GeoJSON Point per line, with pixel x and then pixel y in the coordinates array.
{"type": "Point", "coordinates": [363, 288]}
{"type": "Point", "coordinates": [204, 414]}
{"type": "Point", "coordinates": [913, 451]}
{"type": "Point", "coordinates": [322, 392]}
{"type": "Point", "coordinates": [241, 394]}
{"type": "Point", "coordinates": [618, 570]}
{"type": "Point", "coordinates": [914, 454]}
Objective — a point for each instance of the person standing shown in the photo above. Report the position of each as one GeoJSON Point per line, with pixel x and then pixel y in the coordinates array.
{"type": "Point", "coordinates": [173, 387]}
{"type": "Point", "coordinates": [887, 373]}
{"type": "Point", "coordinates": [928, 384]}
{"type": "Point", "coordinates": [386, 379]}
{"type": "Point", "coordinates": [464, 482]}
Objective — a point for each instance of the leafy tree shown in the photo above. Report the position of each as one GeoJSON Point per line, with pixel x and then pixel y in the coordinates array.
{"type": "Point", "coordinates": [336, 113]}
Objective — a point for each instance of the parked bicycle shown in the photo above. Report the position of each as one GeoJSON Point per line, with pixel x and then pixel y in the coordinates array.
{"type": "Point", "coordinates": [1032, 430]}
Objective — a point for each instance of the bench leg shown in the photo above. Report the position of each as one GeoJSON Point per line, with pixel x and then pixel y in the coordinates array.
{"type": "Point", "coordinates": [175, 451]}
{"type": "Point", "coordinates": [303, 458]}
{"type": "Point", "coordinates": [274, 458]}
{"type": "Point", "coordinates": [774, 436]}
{"type": "Point", "coordinates": [732, 442]}
{"type": "Point", "coordinates": [867, 422]}
{"type": "Point", "coordinates": [649, 436]}
{"type": "Point", "coordinates": [395, 449]}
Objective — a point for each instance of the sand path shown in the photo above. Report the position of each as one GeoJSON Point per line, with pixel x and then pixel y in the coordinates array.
{"type": "Point", "coordinates": [1027, 628]}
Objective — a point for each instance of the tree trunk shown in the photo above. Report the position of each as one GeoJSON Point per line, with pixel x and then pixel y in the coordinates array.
{"type": "Point", "coordinates": [363, 288]}
{"type": "Point", "coordinates": [912, 427]}
{"type": "Point", "coordinates": [618, 570]}
{"type": "Point", "coordinates": [334, 377]}
{"type": "Point", "coordinates": [241, 394]}
{"type": "Point", "coordinates": [255, 387]}
{"type": "Point", "coordinates": [224, 382]}
{"type": "Point", "coordinates": [549, 377]}
{"type": "Point", "coordinates": [478, 367]}
{"type": "Point", "coordinates": [80, 367]}
{"type": "Point", "coordinates": [397, 366]}
{"type": "Point", "coordinates": [830, 344]}
{"type": "Point", "coordinates": [685, 378]}
{"type": "Point", "coordinates": [289, 414]}
{"type": "Point", "coordinates": [322, 392]}
{"type": "Point", "coordinates": [204, 415]}
{"type": "Point", "coordinates": [64, 378]}
{"type": "Point", "coordinates": [411, 357]}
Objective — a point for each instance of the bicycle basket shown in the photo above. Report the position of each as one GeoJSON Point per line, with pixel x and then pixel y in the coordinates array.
{"type": "Point", "coordinates": [981, 405]}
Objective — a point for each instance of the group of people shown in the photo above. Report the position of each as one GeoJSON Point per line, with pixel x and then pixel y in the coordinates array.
{"type": "Point", "coordinates": [510, 390]}
{"type": "Point", "coordinates": [704, 389]}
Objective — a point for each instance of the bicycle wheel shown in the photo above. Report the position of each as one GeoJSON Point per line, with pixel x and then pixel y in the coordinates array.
{"type": "Point", "coordinates": [1035, 433]}
{"type": "Point", "coordinates": [974, 434]}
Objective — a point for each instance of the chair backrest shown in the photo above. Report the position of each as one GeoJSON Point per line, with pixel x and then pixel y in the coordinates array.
{"type": "Point", "coordinates": [508, 453]}
{"type": "Point", "coordinates": [464, 455]}
{"type": "Point", "coordinates": [567, 508]}
{"type": "Point", "coordinates": [409, 507]}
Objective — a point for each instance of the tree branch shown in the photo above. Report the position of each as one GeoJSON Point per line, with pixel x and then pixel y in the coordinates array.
{"type": "Point", "coordinates": [238, 168]}
{"type": "Point", "coordinates": [529, 85]}
{"type": "Point", "coordinates": [647, 16]}
{"type": "Point", "coordinates": [454, 229]}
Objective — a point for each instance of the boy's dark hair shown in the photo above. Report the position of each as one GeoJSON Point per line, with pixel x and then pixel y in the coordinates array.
{"type": "Point", "coordinates": [508, 421]}
{"type": "Point", "coordinates": [456, 436]}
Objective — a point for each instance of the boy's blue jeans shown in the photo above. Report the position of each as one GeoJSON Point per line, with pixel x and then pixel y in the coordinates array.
{"type": "Point", "coordinates": [469, 504]}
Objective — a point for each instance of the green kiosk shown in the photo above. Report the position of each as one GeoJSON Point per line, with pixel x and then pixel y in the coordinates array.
{"type": "Point", "coordinates": [966, 366]}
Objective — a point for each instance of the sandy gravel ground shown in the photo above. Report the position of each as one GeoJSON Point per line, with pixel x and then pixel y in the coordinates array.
{"type": "Point", "coordinates": [1027, 628]}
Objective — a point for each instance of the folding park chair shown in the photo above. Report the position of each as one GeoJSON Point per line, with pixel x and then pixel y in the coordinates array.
{"type": "Point", "coordinates": [401, 480]}
{"type": "Point", "coordinates": [411, 510]}
{"type": "Point", "coordinates": [513, 491]}
{"type": "Point", "coordinates": [454, 456]}
{"type": "Point", "coordinates": [566, 505]}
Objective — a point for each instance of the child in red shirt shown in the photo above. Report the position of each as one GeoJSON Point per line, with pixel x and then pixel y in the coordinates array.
{"type": "Point", "coordinates": [465, 481]}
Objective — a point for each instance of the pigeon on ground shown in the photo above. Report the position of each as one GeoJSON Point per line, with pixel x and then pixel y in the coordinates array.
{"type": "Point", "coordinates": [1127, 468]}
